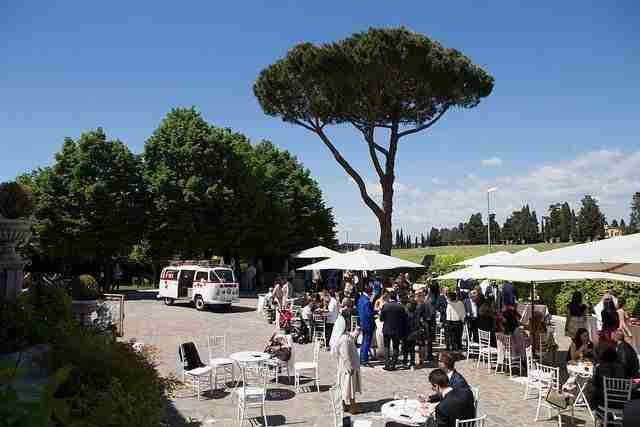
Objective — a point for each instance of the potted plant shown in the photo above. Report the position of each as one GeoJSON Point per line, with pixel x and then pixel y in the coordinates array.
{"type": "Point", "coordinates": [84, 294]}
{"type": "Point", "coordinates": [16, 205]}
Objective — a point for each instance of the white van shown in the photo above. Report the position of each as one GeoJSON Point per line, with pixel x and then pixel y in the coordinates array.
{"type": "Point", "coordinates": [201, 285]}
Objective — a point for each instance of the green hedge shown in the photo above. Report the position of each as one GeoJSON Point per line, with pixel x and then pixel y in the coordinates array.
{"type": "Point", "coordinates": [558, 295]}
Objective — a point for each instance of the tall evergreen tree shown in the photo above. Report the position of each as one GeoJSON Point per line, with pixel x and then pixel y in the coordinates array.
{"type": "Point", "coordinates": [565, 222]}
{"type": "Point", "coordinates": [634, 218]}
{"type": "Point", "coordinates": [623, 226]}
{"type": "Point", "coordinates": [614, 223]}
{"type": "Point", "coordinates": [475, 230]}
{"type": "Point", "coordinates": [590, 220]}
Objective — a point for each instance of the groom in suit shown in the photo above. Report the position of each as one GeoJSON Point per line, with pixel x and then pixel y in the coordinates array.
{"type": "Point", "coordinates": [456, 403]}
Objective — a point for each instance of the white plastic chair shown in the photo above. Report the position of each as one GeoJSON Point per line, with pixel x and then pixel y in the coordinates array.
{"type": "Point", "coordinates": [487, 353]}
{"type": "Point", "coordinates": [473, 348]}
{"type": "Point", "coordinates": [304, 368]}
{"type": "Point", "coordinates": [253, 392]}
{"type": "Point", "coordinates": [506, 358]}
{"type": "Point", "coordinates": [198, 377]}
{"type": "Point", "coordinates": [319, 324]}
{"type": "Point", "coordinates": [217, 345]}
{"type": "Point", "coordinates": [354, 323]}
{"type": "Point", "coordinates": [472, 422]}
{"type": "Point", "coordinates": [532, 374]}
{"type": "Point", "coordinates": [617, 391]}
{"type": "Point", "coordinates": [549, 378]}
{"type": "Point", "coordinates": [277, 366]}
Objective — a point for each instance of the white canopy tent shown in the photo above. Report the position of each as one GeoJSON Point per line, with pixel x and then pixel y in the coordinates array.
{"type": "Point", "coordinates": [362, 260]}
{"type": "Point", "coordinates": [317, 252]}
{"type": "Point", "coordinates": [486, 259]}
{"type": "Point", "coordinates": [527, 275]}
{"type": "Point", "coordinates": [620, 255]}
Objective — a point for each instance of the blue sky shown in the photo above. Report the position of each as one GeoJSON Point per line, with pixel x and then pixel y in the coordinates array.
{"type": "Point", "coordinates": [563, 119]}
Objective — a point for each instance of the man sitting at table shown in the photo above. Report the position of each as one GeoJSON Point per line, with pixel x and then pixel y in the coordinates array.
{"type": "Point", "coordinates": [456, 403]}
{"type": "Point", "coordinates": [627, 356]}
{"type": "Point", "coordinates": [610, 367]}
{"type": "Point", "coordinates": [446, 362]}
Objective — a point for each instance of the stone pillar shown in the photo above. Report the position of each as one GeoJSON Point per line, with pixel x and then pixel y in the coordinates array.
{"type": "Point", "coordinates": [12, 231]}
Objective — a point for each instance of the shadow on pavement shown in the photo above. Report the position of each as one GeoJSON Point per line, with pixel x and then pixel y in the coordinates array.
{"type": "Point", "coordinates": [278, 394]}
{"type": "Point", "coordinates": [374, 406]}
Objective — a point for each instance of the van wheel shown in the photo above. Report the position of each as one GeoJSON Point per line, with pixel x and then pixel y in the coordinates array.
{"type": "Point", "coordinates": [168, 301]}
{"type": "Point", "coordinates": [226, 308]}
{"type": "Point", "coordinates": [200, 305]}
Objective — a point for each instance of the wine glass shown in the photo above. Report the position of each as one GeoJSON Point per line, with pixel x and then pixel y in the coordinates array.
{"type": "Point", "coordinates": [396, 395]}
{"type": "Point", "coordinates": [405, 396]}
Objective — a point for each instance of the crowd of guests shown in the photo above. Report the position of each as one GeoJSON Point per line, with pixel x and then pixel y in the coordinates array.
{"type": "Point", "coordinates": [612, 356]}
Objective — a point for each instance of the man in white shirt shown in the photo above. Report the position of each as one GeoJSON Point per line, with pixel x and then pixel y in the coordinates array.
{"type": "Point", "coordinates": [332, 316]}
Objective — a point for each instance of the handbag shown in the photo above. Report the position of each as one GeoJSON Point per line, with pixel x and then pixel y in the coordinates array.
{"type": "Point", "coordinates": [557, 399]}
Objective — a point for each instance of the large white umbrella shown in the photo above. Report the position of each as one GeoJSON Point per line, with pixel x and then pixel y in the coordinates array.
{"type": "Point", "coordinates": [486, 259]}
{"type": "Point", "coordinates": [317, 252]}
{"type": "Point", "coordinates": [362, 260]}
{"type": "Point", "coordinates": [527, 275]}
{"type": "Point", "coordinates": [620, 255]}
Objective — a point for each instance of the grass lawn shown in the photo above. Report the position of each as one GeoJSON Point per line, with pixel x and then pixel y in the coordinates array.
{"type": "Point", "coordinates": [467, 251]}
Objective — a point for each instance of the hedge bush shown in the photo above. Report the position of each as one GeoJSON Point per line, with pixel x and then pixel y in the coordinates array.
{"type": "Point", "coordinates": [558, 295]}
{"type": "Point", "coordinates": [110, 383]}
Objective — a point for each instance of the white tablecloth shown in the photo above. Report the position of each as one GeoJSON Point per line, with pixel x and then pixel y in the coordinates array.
{"type": "Point", "coordinates": [404, 412]}
{"type": "Point", "coordinates": [244, 357]}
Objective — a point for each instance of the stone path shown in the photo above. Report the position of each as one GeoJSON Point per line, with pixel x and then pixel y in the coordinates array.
{"type": "Point", "coordinates": [164, 327]}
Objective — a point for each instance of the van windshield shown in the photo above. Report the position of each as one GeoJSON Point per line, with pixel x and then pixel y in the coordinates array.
{"type": "Point", "coordinates": [222, 276]}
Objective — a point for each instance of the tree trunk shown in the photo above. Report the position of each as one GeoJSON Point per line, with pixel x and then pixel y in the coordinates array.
{"type": "Point", "coordinates": [386, 232]}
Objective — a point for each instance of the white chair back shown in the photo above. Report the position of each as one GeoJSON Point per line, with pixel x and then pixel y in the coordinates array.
{"type": "Point", "coordinates": [254, 383]}
{"type": "Point", "coordinates": [473, 422]}
{"type": "Point", "coordinates": [617, 392]}
{"type": "Point", "coordinates": [530, 362]}
{"type": "Point", "coordinates": [548, 377]}
{"type": "Point", "coordinates": [484, 338]}
{"type": "Point", "coordinates": [217, 344]}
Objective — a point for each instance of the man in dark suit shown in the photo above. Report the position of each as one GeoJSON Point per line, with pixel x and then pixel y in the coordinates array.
{"type": "Point", "coordinates": [446, 363]}
{"type": "Point", "coordinates": [471, 307]}
{"type": "Point", "coordinates": [394, 326]}
{"type": "Point", "coordinates": [627, 356]}
{"type": "Point", "coordinates": [456, 403]}
{"type": "Point", "coordinates": [425, 314]}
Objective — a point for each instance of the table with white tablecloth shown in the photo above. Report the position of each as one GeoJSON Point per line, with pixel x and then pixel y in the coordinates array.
{"type": "Point", "coordinates": [407, 412]}
{"type": "Point", "coordinates": [583, 372]}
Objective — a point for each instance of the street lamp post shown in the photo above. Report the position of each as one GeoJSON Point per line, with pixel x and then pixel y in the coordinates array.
{"type": "Point", "coordinates": [489, 191]}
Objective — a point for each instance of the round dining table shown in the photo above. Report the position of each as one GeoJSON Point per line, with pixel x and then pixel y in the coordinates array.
{"type": "Point", "coordinates": [243, 358]}
{"type": "Point", "coordinates": [408, 412]}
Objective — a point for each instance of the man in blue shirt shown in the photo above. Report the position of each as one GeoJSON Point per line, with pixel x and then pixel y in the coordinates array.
{"type": "Point", "coordinates": [365, 313]}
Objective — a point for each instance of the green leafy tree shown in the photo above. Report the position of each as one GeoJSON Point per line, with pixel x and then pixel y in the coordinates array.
{"type": "Point", "coordinates": [590, 220]}
{"type": "Point", "coordinates": [390, 80]}
{"type": "Point", "coordinates": [475, 230]}
{"type": "Point", "coordinates": [90, 202]}
{"type": "Point", "coordinates": [634, 220]}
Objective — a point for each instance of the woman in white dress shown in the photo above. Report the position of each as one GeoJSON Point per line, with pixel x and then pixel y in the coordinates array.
{"type": "Point", "coordinates": [343, 347]}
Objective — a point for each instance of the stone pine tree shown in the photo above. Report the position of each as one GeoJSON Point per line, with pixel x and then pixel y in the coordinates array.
{"type": "Point", "coordinates": [623, 226]}
{"type": "Point", "coordinates": [386, 83]}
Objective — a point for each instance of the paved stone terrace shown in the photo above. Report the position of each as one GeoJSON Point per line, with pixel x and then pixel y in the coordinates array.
{"type": "Point", "coordinates": [151, 322]}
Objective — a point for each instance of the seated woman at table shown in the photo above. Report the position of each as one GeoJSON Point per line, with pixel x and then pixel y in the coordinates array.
{"type": "Point", "coordinates": [581, 346]}
{"type": "Point", "coordinates": [610, 367]}
{"type": "Point", "coordinates": [487, 321]}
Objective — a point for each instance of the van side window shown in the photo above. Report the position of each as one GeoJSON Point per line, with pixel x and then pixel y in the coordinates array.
{"type": "Point", "coordinates": [213, 278]}
{"type": "Point", "coordinates": [201, 275]}
{"type": "Point", "coordinates": [170, 275]}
